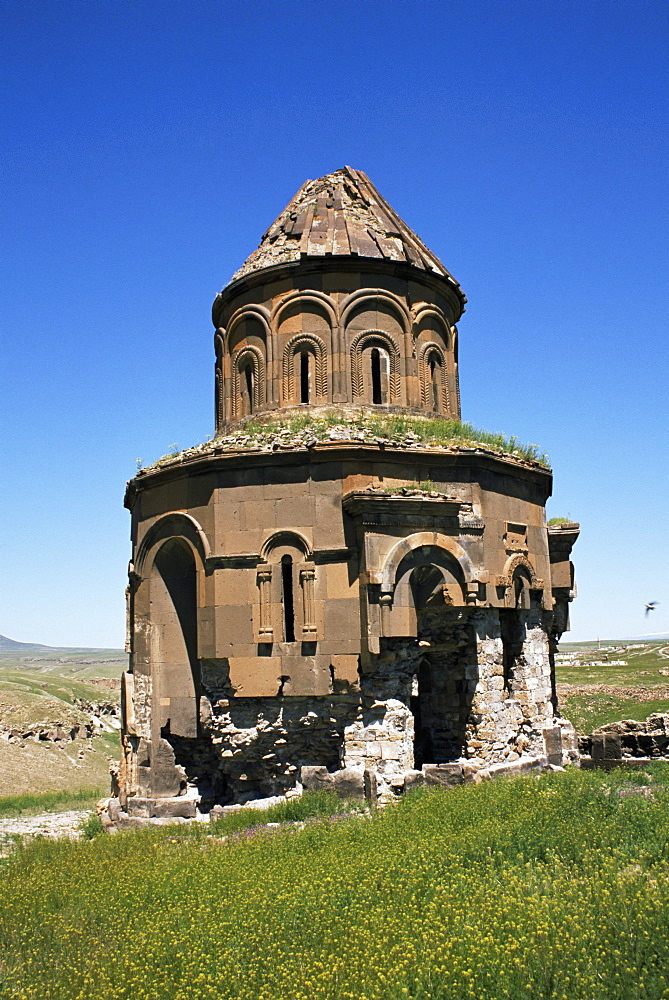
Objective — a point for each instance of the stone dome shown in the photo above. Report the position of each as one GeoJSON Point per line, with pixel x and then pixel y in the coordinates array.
{"type": "Point", "coordinates": [341, 304]}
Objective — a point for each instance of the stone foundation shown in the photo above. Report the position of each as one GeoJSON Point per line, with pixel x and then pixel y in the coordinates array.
{"type": "Point", "coordinates": [475, 685]}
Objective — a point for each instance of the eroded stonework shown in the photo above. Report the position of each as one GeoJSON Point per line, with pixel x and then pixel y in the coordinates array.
{"type": "Point", "coordinates": [338, 608]}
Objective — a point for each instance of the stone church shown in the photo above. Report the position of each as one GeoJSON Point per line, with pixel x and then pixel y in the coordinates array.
{"type": "Point", "coordinates": [311, 600]}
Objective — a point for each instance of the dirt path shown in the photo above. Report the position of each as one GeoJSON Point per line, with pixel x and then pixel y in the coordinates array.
{"type": "Point", "coordinates": [51, 825]}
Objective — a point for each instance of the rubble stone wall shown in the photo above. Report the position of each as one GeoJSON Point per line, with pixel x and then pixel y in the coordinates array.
{"type": "Point", "coordinates": [448, 695]}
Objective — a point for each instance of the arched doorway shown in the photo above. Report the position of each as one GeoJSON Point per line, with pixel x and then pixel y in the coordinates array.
{"type": "Point", "coordinates": [445, 680]}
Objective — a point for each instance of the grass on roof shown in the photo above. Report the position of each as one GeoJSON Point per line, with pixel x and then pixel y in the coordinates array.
{"type": "Point", "coordinates": [401, 429]}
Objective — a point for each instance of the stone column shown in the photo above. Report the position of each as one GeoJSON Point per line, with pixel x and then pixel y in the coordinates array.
{"type": "Point", "coordinates": [309, 626]}
{"type": "Point", "coordinates": [265, 630]}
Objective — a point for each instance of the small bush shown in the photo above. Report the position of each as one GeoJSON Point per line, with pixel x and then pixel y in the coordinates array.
{"type": "Point", "coordinates": [91, 827]}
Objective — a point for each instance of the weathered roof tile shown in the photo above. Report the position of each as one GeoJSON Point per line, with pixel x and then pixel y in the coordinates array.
{"type": "Point", "coordinates": [340, 214]}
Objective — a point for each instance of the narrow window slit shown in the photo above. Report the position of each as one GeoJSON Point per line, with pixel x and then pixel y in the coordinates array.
{"type": "Point", "coordinates": [248, 376]}
{"type": "Point", "coordinates": [287, 595]}
{"type": "Point", "coordinates": [376, 376]}
{"type": "Point", "coordinates": [304, 377]}
{"type": "Point", "coordinates": [435, 372]}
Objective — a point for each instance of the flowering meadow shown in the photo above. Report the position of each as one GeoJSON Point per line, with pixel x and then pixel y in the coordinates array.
{"type": "Point", "coordinates": [552, 887]}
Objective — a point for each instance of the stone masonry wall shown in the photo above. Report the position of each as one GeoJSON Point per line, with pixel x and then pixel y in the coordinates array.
{"type": "Point", "coordinates": [468, 687]}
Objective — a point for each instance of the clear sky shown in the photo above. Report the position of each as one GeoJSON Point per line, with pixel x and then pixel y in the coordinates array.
{"type": "Point", "coordinates": [146, 146]}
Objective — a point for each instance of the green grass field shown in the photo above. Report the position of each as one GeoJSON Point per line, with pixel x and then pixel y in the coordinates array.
{"type": "Point", "coordinates": [552, 888]}
{"type": "Point", "coordinates": [592, 694]}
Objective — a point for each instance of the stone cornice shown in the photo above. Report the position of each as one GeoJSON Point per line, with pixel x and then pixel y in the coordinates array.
{"type": "Point", "coordinates": [215, 458]}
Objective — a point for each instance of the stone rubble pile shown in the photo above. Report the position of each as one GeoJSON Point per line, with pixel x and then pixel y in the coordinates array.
{"type": "Point", "coordinates": [626, 741]}
{"type": "Point", "coordinates": [104, 717]}
{"type": "Point", "coordinates": [278, 438]}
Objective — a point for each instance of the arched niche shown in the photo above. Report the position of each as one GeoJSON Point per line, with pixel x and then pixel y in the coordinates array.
{"type": "Point", "coordinates": [173, 629]}
{"type": "Point", "coordinates": [375, 308]}
{"type": "Point", "coordinates": [304, 370]}
{"type": "Point", "coordinates": [248, 326]}
{"type": "Point", "coordinates": [428, 579]}
{"type": "Point", "coordinates": [375, 314]}
{"type": "Point", "coordinates": [163, 623]}
{"type": "Point", "coordinates": [305, 323]}
{"type": "Point", "coordinates": [519, 584]}
{"type": "Point", "coordinates": [436, 363]}
{"type": "Point", "coordinates": [247, 362]}
{"type": "Point", "coordinates": [428, 542]}
{"type": "Point", "coordinates": [248, 377]}
{"type": "Point", "coordinates": [434, 381]}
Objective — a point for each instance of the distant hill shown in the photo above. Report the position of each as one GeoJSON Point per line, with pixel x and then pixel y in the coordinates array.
{"type": "Point", "coordinates": [9, 645]}
{"type": "Point", "coordinates": [651, 637]}
{"type": "Point", "coordinates": [12, 646]}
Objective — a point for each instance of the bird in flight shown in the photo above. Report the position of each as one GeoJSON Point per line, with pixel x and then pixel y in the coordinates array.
{"type": "Point", "coordinates": [651, 606]}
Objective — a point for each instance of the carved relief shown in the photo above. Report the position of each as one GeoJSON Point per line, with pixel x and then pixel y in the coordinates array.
{"type": "Point", "coordinates": [375, 338]}
{"type": "Point", "coordinates": [433, 373]}
{"type": "Point", "coordinates": [249, 356]}
{"type": "Point", "coordinates": [294, 347]}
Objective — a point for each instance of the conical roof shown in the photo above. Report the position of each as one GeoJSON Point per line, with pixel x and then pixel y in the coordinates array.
{"type": "Point", "coordinates": [341, 214]}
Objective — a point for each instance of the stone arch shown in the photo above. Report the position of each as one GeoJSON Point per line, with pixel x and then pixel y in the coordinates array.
{"type": "Point", "coordinates": [512, 564]}
{"type": "Point", "coordinates": [175, 524]}
{"type": "Point", "coordinates": [258, 316]}
{"type": "Point", "coordinates": [308, 295]}
{"type": "Point", "coordinates": [316, 347]}
{"type": "Point", "coordinates": [520, 583]}
{"type": "Point", "coordinates": [252, 359]}
{"type": "Point", "coordinates": [358, 298]}
{"type": "Point", "coordinates": [282, 538]}
{"type": "Point", "coordinates": [248, 312]}
{"type": "Point", "coordinates": [426, 352]}
{"type": "Point", "coordinates": [173, 594]}
{"type": "Point", "coordinates": [375, 338]}
{"type": "Point", "coordinates": [428, 576]}
{"type": "Point", "coordinates": [425, 312]}
{"type": "Point", "coordinates": [421, 539]}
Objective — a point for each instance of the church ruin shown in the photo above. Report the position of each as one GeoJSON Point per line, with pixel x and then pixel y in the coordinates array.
{"type": "Point", "coordinates": [310, 601]}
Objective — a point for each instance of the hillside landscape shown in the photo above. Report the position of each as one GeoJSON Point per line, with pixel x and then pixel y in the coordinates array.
{"type": "Point", "coordinates": [58, 717]}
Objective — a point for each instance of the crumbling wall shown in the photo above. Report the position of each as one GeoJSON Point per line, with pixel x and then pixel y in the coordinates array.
{"type": "Point", "coordinates": [257, 746]}
{"type": "Point", "coordinates": [475, 683]}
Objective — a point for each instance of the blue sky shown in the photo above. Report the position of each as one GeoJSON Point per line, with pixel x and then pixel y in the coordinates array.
{"type": "Point", "coordinates": [148, 145]}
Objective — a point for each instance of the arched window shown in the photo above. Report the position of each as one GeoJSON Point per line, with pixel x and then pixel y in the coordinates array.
{"type": "Point", "coordinates": [375, 368]}
{"type": "Point", "coordinates": [248, 381]}
{"type": "Point", "coordinates": [305, 372]}
{"type": "Point", "coordinates": [286, 591]}
{"type": "Point", "coordinates": [434, 379]}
